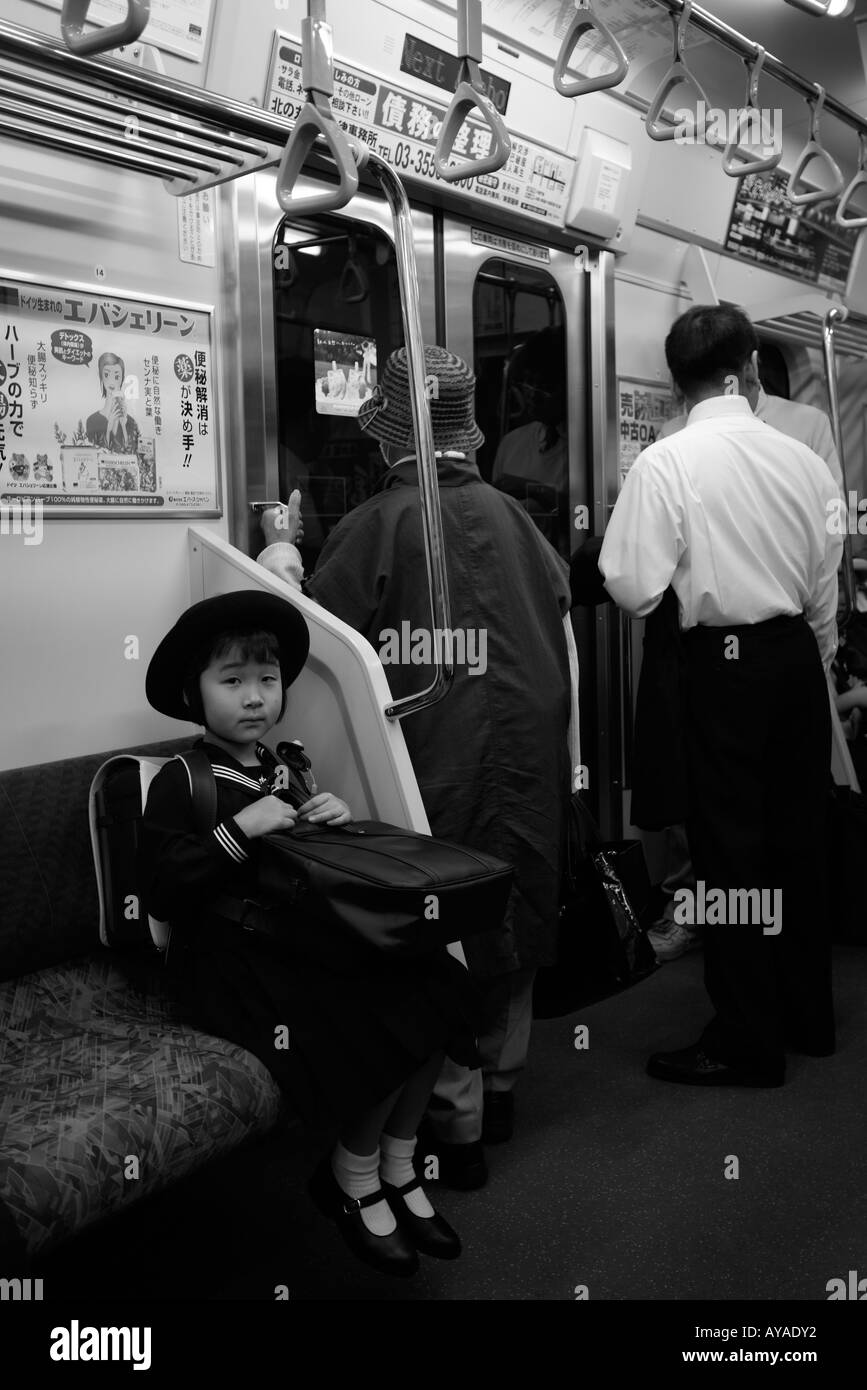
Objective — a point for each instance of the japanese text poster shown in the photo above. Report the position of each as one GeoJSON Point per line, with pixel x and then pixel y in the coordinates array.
{"type": "Point", "coordinates": [105, 402]}
{"type": "Point", "coordinates": [643, 409]}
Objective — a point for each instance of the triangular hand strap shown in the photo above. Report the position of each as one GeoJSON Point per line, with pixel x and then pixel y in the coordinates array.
{"type": "Point", "coordinates": [677, 74]}
{"type": "Point", "coordinates": [354, 287]}
{"type": "Point", "coordinates": [74, 17]}
{"type": "Point", "coordinates": [813, 150]}
{"type": "Point", "coordinates": [467, 97]}
{"type": "Point", "coordinates": [859, 181]}
{"type": "Point", "coordinates": [316, 120]}
{"type": "Point", "coordinates": [582, 21]}
{"type": "Point", "coordinates": [738, 168]}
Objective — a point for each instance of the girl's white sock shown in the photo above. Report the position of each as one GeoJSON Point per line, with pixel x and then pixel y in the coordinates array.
{"type": "Point", "coordinates": [396, 1169]}
{"type": "Point", "coordinates": [358, 1176]}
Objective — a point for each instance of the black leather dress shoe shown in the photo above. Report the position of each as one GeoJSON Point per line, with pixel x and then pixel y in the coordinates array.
{"type": "Point", "coordinates": [693, 1067]}
{"type": "Point", "coordinates": [394, 1254]}
{"type": "Point", "coordinates": [432, 1235]}
{"type": "Point", "coordinates": [498, 1120]}
{"type": "Point", "coordinates": [461, 1166]}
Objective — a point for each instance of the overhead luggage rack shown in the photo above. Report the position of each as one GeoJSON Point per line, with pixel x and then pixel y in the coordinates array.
{"type": "Point", "coordinates": [106, 110]}
{"type": "Point", "coordinates": [850, 337]}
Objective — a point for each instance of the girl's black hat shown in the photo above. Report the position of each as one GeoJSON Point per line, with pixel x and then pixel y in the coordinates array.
{"type": "Point", "coordinates": [244, 610]}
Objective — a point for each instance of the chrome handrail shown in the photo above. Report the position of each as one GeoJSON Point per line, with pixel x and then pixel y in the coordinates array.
{"type": "Point", "coordinates": [428, 487]}
{"type": "Point", "coordinates": [838, 314]}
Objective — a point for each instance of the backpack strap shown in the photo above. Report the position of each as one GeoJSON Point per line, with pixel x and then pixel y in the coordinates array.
{"type": "Point", "coordinates": [203, 788]}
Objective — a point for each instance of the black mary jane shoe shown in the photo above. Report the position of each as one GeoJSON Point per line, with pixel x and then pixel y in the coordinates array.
{"type": "Point", "coordinates": [395, 1254]}
{"type": "Point", "coordinates": [432, 1235]}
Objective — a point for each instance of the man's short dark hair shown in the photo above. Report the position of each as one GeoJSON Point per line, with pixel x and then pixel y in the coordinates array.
{"type": "Point", "coordinates": [707, 344]}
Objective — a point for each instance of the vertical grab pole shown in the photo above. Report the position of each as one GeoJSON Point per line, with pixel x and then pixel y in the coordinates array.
{"type": "Point", "coordinates": [838, 314]}
{"type": "Point", "coordinates": [429, 496]}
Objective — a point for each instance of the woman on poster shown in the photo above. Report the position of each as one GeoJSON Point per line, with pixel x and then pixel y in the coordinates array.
{"type": "Point", "coordinates": [112, 427]}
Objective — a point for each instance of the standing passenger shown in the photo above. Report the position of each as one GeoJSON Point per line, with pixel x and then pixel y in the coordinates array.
{"type": "Point", "coordinates": [492, 759]}
{"type": "Point", "coordinates": [671, 939]}
{"type": "Point", "coordinates": [734, 517]}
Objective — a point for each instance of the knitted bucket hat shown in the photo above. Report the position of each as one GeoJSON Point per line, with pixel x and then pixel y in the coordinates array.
{"type": "Point", "coordinates": [244, 610]}
{"type": "Point", "coordinates": [450, 386]}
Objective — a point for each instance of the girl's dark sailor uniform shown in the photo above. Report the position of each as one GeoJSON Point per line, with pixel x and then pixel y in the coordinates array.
{"type": "Point", "coordinates": [357, 1028]}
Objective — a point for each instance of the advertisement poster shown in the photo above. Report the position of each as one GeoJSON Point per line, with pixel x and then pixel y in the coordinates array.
{"type": "Point", "coordinates": [106, 403]}
{"type": "Point", "coordinates": [403, 128]}
{"type": "Point", "coordinates": [345, 367]}
{"type": "Point", "coordinates": [175, 26]}
{"type": "Point", "coordinates": [643, 409]}
{"type": "Point", "coordinates": [805, 242]}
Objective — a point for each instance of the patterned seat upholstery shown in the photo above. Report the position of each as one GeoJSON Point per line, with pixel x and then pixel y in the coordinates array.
{"type": "Point", "coordinates": [106, 1094]}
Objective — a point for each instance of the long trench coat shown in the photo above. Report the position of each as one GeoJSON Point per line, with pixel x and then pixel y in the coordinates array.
{"type": "Point", "coordinates": [491, 758]}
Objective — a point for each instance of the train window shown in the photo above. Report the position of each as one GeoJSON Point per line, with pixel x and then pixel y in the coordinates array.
{"type": "Point", "coordinates": [521, 398]}
{"type": "Point", "coordinates": [336, 315]}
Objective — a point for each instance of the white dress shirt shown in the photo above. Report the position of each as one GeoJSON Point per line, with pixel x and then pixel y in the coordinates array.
{"type": "Point", "coordinates": [798, 421]}
{"type": "Point", "coordinates": [734, 516]}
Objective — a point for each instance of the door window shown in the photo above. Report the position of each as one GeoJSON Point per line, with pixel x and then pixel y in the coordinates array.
{"type": "Point", "coordinates": [521, 394]}
{"type": "Point", "coordinates": [337, 318]}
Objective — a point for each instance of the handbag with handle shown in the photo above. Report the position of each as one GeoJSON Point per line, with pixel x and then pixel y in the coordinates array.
{"type": "Point", "coordinates": [602, 947]}
{"type": "Point", "coordinates": [371, 883]}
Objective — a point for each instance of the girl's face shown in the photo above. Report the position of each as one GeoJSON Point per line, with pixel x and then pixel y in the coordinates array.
{"type": "Point", "coordinates": [112, 378]}
{"type": "Point", "coordinates": [241, 699]}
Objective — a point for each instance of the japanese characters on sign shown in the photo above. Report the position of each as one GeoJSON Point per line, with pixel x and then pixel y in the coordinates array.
{"type": "Point", "coordinates": [105, 402]}
{"type": "Point", "coordinates": [197, 242]}
{"type": "Point", "coordinates": [643, 409]}
{"type": "Point", "coordinates": [805, 242]}
{"type": "Point", "coordinates": [403, 128]}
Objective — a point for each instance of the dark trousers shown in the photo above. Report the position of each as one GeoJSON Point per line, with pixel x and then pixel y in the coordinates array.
{"type": "Point", "coordinates": [758, 739]}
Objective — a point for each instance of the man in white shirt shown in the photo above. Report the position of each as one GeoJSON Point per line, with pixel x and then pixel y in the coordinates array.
{"type": "Point", "coordinates": [804, 422]}
{"type": "Point", "coordinates": [812, 427]}
{"type": "Point", "coordinates": [734, 517]}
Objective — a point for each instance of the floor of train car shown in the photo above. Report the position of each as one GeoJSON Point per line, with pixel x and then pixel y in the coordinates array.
{"type": "Point", "coordinates": [613, 1181]}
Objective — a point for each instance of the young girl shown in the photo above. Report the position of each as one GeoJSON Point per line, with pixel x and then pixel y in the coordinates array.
{"type": "Point", "coordinates": [367, 1035]}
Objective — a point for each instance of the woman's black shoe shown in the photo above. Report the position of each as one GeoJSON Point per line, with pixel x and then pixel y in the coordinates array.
{"type": "Point", "coordinates": [394, 1254]}
{"type": "Point", "coordinates": [432, 1235]}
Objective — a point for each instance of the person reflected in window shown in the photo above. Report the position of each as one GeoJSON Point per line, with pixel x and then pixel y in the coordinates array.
{"type": "Point", "coordinates": [532, 462]}
{"type": "Point", "coordinates": [112, 427]}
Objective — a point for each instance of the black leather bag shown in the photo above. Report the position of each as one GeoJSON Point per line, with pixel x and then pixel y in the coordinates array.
{"type": "Point", "coordinates": [602, 947]}
{"type": "Point", "coordinates": [387, 888]}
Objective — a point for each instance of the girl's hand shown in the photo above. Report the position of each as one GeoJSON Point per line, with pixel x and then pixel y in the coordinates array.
{"type": "Point", "coordinates": [325, 809]}
{"type": "Point", "coordinates": [265, 816]}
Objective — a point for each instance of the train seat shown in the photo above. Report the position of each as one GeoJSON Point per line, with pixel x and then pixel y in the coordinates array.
{"type": "Point", "coordinates": [106, 1095]}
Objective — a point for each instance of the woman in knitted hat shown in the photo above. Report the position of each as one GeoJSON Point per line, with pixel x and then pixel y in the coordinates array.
{"type": "Point", "coordinates": [492, 758]}
{"type": "Point", "coordinates": [366, 1035]}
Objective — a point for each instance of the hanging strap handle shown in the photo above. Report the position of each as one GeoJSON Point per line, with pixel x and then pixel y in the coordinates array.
{"type": "Point", "coordinates": [815, 150]}
{"type": "Point", "coordinates": [316, 121]}
{"type": "Point", "coordinates": [74, 16]}
{"type": "Point", "coordinates": [858, 181]}
{"type": "Point", "coordinates": [735, 168]}
{"type": "Point", "coordinates": [677, 74]}
{"type": "Point", "coordinates": [583, 20]}
{"type": "Point", "coordinates": [469, 94]}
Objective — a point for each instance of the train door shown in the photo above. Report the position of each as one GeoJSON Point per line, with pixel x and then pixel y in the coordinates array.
{"type": "Point", "coordinates": [517, 310]}
{"type": "Point", "coordinates": [324, 292]}
{"type": "Point", "coordinates": [319, 313]}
